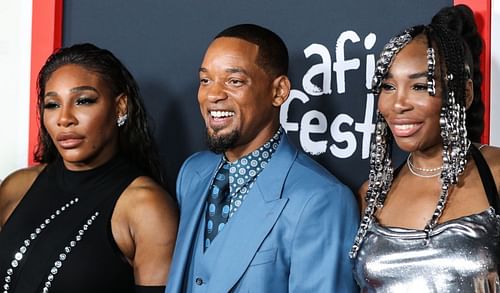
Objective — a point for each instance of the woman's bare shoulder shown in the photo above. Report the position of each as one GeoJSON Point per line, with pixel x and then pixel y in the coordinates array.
{"type": "Point", "coordinates": [14, 187]}
{"type": "Point", "coordinates": [492, 156]}
{"type": "Point", "coordinates": [146, 189]}
{"type": "Point", "coordinates": [145, 229]}
{"type": "Point", "coordinates": [19, 181]}
{"type": "Point", "coordinates": [146, 197]}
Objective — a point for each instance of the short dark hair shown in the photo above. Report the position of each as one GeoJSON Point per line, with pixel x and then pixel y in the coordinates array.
{"type": "Point", "coordinates": [135, 141]}
{"type": "Point", "coordinates": [273, 54]}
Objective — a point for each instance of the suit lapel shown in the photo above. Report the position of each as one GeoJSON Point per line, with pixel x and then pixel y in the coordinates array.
{"type": "Point", "coordinates": [235, 247]}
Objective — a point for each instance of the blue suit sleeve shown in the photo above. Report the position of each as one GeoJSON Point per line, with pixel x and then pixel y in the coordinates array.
{"type": "Point", "coordinates": [180, 178]}
{"type": "Point", "coordinates": [178, 185]}
{"type": "Point", "coordinates": [322, 240]}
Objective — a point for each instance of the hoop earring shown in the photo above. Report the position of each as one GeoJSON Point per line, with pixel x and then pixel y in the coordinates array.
{"type": "Point", "coordinates": [121, 120]}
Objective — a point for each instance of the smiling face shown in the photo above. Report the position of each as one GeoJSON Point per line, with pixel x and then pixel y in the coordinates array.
{"type": "Point", "coordinates": [412, 114]}
{"type": "Point", "coordinates": [238, 100]}
{"type": "Point", "coordinates": [80, 115]}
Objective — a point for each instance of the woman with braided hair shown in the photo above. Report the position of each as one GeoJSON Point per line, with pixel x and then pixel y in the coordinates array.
{"type": "Point", "coordinates": [433, 224]}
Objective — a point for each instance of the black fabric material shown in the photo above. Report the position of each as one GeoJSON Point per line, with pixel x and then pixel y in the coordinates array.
{"type": "Point", "coordinates": [486, 178]}
{"type": "Point", "coordinates": [95, 264]}
{"type": "Point", "coordinates": [488, 184]}
{"type": "Point", "coordinates": [149, 289]}
{"type": "Point", "coordinates": [485, 174]}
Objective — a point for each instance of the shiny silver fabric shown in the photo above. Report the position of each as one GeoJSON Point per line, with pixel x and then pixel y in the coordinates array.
{"type": "Point", "coordinates": [463, 256]}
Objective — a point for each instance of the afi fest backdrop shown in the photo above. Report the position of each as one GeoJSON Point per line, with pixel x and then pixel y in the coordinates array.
{"type": "Point", "coordinates": [333, 46]}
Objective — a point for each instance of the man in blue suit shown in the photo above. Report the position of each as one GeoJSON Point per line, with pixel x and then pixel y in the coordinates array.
{"type": "Point", "coordinates": [257, 215]}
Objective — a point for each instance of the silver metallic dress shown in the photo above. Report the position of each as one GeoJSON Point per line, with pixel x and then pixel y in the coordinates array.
{"type": "Point", "coordinates": [463, 255]}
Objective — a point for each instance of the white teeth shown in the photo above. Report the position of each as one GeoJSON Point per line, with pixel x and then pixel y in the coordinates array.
{"type": "Point", "coordinates": [221, 114]}
{"type": "Point", "coordinates": [404, 126]}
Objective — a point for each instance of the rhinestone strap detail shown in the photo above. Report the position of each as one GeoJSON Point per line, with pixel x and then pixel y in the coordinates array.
{"type": "Point", "coordinates": [62, 257]}
{"type": "Point", "coordinates": [18, 256]}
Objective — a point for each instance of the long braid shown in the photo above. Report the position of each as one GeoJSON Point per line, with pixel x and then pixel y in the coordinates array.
{"type": "Point", "coordinates": [452, 121]}
{"type": "Point", "coordinates": [381, 169]}
{"type": "Point", "coordinates": [460, 19]}
{"type": "Point", "coordinates": [453, 129]}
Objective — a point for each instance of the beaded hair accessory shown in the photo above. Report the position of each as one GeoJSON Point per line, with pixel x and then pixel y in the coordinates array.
{"type": "Point", "coordinates": [380, 179]}
{"type": "Point", "coordinates": [381, 170]}
{"type": "Point", "coordinates": [452, 119]}
{"type": "Point", "coordinates": [452, 124]}
{"type": "Point", "coordinates": [431, 66]}
{"type": "Point", "coordinates": [387, 55]}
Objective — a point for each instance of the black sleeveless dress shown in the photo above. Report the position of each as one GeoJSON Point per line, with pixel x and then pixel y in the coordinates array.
{"type": "Point", "coordinates": [59, 239]}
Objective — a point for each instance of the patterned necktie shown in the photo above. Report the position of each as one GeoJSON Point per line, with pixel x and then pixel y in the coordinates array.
{"type": "Point", "coordinates": [217, 205]}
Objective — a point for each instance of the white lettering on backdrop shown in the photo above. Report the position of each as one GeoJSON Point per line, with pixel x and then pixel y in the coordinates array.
{"type": "Point", "coordinates": [343, 125]}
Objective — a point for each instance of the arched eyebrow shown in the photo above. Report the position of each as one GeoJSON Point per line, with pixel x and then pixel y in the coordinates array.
{"type": "Point", "coordinates": [411, 76]}
{"type": "Point", "coordinates": [84, 88]}
{"type": "Point", "coordinates": [75, 90]}
{"type": "Point", "coordinates": [418, 75]}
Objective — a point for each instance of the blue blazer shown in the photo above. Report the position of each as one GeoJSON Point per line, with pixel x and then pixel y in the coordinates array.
{"type": "Point", "coordinates": [292, 233]}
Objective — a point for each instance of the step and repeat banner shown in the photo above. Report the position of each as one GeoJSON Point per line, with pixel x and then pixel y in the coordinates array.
{"type": "Point", "coordinates": [333, 46]}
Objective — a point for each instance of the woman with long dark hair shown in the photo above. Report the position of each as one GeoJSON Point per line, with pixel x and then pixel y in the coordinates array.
{"type": "Point", "coordinates": [92, 216]}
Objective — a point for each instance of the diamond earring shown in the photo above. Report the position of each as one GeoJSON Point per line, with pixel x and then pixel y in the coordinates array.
{"type": "Point", "coordinates": [121, 120]}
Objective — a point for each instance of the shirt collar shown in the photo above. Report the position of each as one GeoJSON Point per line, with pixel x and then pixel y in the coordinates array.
{"type": "Point", "coordinates": [247, 168]}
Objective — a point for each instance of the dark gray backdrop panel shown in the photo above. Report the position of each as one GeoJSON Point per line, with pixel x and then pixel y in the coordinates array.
{"type": "Point", "coordinates": [162, 43]}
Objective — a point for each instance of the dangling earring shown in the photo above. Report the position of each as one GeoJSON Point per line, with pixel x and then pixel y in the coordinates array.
{"type": "Point", "coordinates": [121, 120]}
